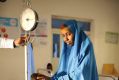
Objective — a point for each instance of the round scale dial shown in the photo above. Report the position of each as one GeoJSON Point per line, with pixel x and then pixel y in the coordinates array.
{"type": "Point", "coordinates": [28, 19]}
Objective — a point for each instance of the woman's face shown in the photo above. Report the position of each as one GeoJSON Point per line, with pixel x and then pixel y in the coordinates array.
{"type": "Point", "coordinates": [67, 36]}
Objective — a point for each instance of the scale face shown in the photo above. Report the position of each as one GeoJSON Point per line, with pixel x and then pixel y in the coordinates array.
{"type": "Point", "coordinates": [28, 19]}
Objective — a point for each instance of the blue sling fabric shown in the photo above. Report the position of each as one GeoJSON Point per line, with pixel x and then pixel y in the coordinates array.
{"type": "Point", "coordinates": [30, 61]}
{"type": "Point", "coordinates": [77, 62]}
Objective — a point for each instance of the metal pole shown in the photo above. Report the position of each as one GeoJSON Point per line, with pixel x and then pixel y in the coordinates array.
{"type": "Point", "coordinates": [26, 70]}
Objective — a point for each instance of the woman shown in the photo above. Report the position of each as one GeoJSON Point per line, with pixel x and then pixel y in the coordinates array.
{"type": "Point", "coordinates": [77, 61]}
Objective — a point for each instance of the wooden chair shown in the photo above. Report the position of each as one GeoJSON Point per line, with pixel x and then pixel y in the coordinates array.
{"type": "Point", "coordinates": [109, 69]}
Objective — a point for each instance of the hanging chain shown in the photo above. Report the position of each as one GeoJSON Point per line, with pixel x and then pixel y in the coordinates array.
{"type": "Point", "coordinates": [28, 3]}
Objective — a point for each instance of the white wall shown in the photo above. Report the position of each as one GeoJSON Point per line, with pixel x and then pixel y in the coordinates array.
{"type": "Point", "coordinates": [105, 16]}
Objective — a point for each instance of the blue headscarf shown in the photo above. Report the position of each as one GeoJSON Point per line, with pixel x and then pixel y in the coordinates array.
{"type": "Point", "coordinates": [77, 62]}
